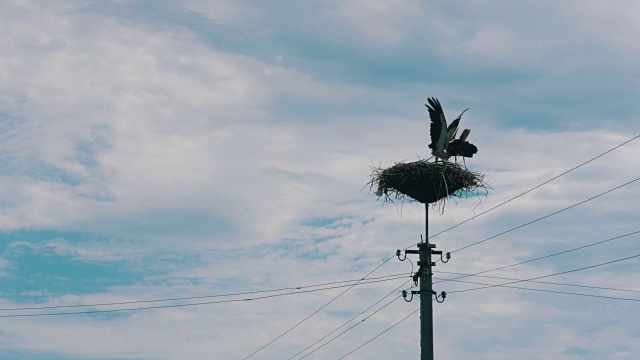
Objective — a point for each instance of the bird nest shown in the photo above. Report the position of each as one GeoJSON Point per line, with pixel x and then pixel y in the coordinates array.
{"type": "Point", "coordinates": [426, 182]}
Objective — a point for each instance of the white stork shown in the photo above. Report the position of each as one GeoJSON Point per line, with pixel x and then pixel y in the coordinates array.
{"type": "Point", "coordinates": [441, 134]}
{"type": "Point", "coordinates": [461, 147]}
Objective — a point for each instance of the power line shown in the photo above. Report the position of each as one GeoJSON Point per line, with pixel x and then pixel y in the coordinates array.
{"type": "Point", "coordinates": [380, 334]}
{"type": "Point", "coordinates": [544, 290]}
{"type": "Point", "coordinates": [347, 322]}
{"type": "Point", "coordinates": [548, 215]}
{"type": "Point", "coordinates": [517, 287]}
{"type": "Point", "coordinates": [199, 297]}
{"type": "Point", "coordinates": [354, 325]}
{"type": "Point", "coordinates": [194, 304]}
{"type": "Point", "coordinates": [546, 256]}
{"type": "Point", "coordinates": [537, 186]}
{"type": "Point", "coordinates": [507, 285]}
{"type": "Point", "coordinates": [315, 312]}
{"type": "Point", "coordinates": [541, 282]}
{"type": "Point", "coordinates": [546, 276]}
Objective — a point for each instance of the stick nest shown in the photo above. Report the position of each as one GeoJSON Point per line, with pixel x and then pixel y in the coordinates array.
{"type": "Point", "coordinates": [423, 181]}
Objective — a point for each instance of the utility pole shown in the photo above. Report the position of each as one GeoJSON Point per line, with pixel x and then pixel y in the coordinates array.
{"type": "Point", "coordinates": [425, 276]}
{"type": "Point", "coordinates": [426, 289]}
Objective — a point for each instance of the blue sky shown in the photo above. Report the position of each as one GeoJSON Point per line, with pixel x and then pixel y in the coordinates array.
{"type": "Point", "coordinates": [163, 149]}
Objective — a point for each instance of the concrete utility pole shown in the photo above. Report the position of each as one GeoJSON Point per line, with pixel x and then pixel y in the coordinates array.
{"type": "Point", "coordinates": [425, 276]}
{"type": "Point", "coordinates": [426, 290]}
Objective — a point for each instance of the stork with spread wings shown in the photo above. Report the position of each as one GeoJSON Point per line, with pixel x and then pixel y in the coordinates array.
{"type": "Point", "coordinates": [443, 138]}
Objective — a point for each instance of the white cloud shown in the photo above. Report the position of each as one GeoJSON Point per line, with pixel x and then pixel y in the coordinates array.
{"type": "Point", "coordinates": [380, 23]}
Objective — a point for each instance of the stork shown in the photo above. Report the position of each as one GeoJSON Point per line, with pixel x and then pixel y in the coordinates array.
{"type": "Point", "coordinates": [461, 147]}
{"type": "Point", "coordinates": [441, 134]}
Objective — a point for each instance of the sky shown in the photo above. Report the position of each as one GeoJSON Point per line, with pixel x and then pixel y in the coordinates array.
{"type": "Point", "coordinates": [167, 149]}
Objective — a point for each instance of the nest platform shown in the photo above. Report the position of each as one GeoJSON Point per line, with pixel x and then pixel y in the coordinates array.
{"type": "Point", "coordinates": [424, 181]}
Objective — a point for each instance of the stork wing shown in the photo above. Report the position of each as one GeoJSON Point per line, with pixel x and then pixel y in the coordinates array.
{"type": "Point", "coordinates": [453, 127]}
{"type": "Point", "coordinates": [438, 129]}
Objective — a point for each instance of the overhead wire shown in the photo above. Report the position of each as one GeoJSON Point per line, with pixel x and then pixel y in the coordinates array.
{"type": "Point", "coordinates": [538, 282]}
{"type": "Point", "coordinates": [549, 275]}
{"type": "Point", "coordinates": [317, 311]}
{"type": "Point", "coordinates": [536, 187]}
{"type": "Point", "coordinates": [547, 216]}
{"type": "Point", "coordinates": [347, 322]}
{"type": "Point", "coordinates": [545, 256]}
{"type": "Point", "coordinates": [197, 297]}
{"type": "Point", "coordinates": [380, 334]}
{"type": "Point", "coordinates": [356, 316]}
{"type": "Point", "coordinates": [545, 290]}
{"type": "Point", "coordinates": [508, 285]}
{"type": "Point", "coordinates": [351, 327]}
{"type": "Point", "coordinates": [528, 191]}
{"type": "Point", "coordinates": [192, 304]}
